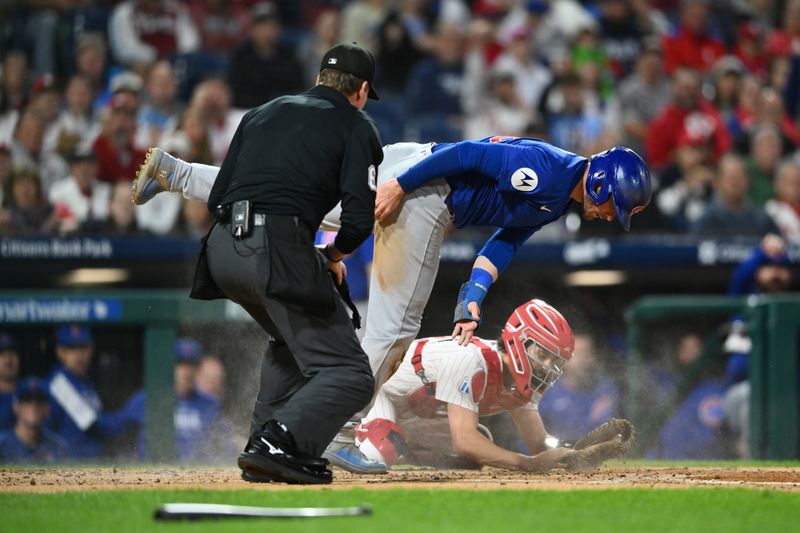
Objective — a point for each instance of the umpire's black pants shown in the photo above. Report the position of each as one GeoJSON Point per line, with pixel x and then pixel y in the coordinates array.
{"type": "Point", "coordinates": [314, 375]}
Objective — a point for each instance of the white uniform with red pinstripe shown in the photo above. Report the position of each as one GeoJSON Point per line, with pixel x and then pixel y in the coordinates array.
{"type": "Point", "coordinates": [458, 374]}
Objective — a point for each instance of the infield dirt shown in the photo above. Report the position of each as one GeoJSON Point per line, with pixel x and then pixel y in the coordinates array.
{"type": "Point", "coordinates": [616, 477]}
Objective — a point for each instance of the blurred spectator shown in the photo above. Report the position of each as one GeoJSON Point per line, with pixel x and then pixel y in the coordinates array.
{"type": "Point", "coordinates": [143, 31]}
{"type": "Point", "coordinates": [160, 110]}
{"type": "Point", "coordinates": [769, 109]}
{"type": "Point", "coordinates": [692, 45]}
{"type": "Point", "coordinates": [29, 154]}
{"type": "Point", "coordinates": [561, 23]}
{"type": "Point", "coordinates": [77, 125]}
{"type": "Point", "coordinates": [196, 220]}
{"type": "Point", "coordinates": [622, 34]}
{"type": "Point", "coordinates": [214, 97]}
{"type": "Point", "coordinates": [573, 127]}
{"type": "Point", "coordinates": [35, 29]}
{"type": "Point", "coordinates": [28, 213]}
{"type": "Point", "coordinates": [46, 100]}
{"type": "Point", "coordinates": [261, 68]}
{"type": "Point", "coordinates": [76, 412]}
{"type": "Point", "coordinates": [582, 398]}
{"type": "Point", "coordinates": [121, 213]}
{"type": "Point", "coordinates": [530, 75]}
{"type": "Point", "coordinates": [765, 152]}
{"type": "Point", "coordinates": [694, 431]}
{"type": "Point", "coordinates": [784, 209]}
{"type": "Point", "coordinates": [210, 378]}
{"type": "Point", "coordinates": [221, 24]}
{"type": "Point", "coordinates": [686, 186]}
{"type": "Point", "coordinates": [13, 92]}
{"type": "Point", "coordinates": [191, 141]}
{"type": "Point", "coordinates": [783, 40]}
{"type": "Point", "coordinates": [9, 373]}
{"type": "Point", "coordinates": [195, 412]}
{"type": "Point", "coordinates": [6, 171]}
{"type": "Point", "coordinates": [749, 48]}
{"type": "Point", "coordinates": [90, 61]}
{"type": "Point", "coordinates": [727, 77]}
{"type": "Point", "coordinates": [767, 270]}
{"type": "Point", "coordinates": [591, 64]}
{"type": "Point", "coordinates": [687, 114]}
{"type": "Point", "coordinates": [80, 198]}
{"type": "Point", "coordinates": [325, 34]}
{"type": "Point", "coordinates": [117, 157]}
{"type": "Point", "coordinates": [433, 93]}
{"type": "Point", "coordinates": [398, 50]}
{"type": "Point", "coordinates": [730, 214]}
{"type": "Point", "coordinates": [361, 19]}
{"type": "Point", "coordinates": [502, 111]}
{"type": "Point", "coordinates": [30, 442]}
{"type": "Point", "coordinates": [642, 96]}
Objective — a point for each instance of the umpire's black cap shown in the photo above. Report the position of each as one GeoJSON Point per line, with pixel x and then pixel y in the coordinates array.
{"type": "Point", "coordinates": [353, 59]}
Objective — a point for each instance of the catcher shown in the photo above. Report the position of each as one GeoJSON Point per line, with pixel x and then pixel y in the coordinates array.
{"type": "Point", "coordinates": [427, 412]}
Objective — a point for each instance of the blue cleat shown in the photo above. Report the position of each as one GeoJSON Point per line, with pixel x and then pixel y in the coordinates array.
{"type": "Point", "coordinates": [349, 457]}
{"type": "Point", "coordinates": [154, 176]}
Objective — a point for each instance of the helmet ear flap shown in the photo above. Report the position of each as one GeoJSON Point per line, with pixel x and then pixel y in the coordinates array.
{"type": "Point", "coordinates": [597, 189]}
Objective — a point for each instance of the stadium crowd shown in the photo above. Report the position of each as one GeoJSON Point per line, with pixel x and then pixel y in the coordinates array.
{"type": "Point", "coordinates": [708, 91]}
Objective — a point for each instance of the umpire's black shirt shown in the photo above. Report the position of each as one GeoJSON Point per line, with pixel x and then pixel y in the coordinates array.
{"type": "Point", "coordinates": [300, 155]}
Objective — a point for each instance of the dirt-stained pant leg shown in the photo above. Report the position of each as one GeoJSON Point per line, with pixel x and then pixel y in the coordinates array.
{"type": "Point", "coordinates": [405, 264]}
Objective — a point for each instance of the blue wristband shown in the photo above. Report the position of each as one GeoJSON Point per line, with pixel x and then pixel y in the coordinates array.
{"type": "Point", "coordinates": [475, 290]}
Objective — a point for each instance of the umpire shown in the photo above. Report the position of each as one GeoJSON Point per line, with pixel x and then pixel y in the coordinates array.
{"type": "Point", "coordinates": [290, 162]}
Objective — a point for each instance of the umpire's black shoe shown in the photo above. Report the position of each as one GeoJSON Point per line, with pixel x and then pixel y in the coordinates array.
{"type": "Point", "coordinates": [271, 454]}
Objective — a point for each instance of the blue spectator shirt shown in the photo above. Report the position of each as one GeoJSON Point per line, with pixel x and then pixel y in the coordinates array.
{"type": "Point", "coordinates": [569, 414]}
{"type": "Point", "coordinates": [50, 449]}
{"type": "Point", "coordinates": [6, 411]}
{"type": "Point", "coordinates": [693, 432]}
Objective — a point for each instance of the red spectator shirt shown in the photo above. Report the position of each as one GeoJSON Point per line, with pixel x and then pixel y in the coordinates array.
{"type": "Point", "coordinates": [157, 28]}
{"type": "Point", "coordinates": [674, 122]}
{"type": "Point", "coordinates": [779, 43]}
{"type": "Point", "coordinates": [698, 52]}
{"type": "Point", "coordinates": [116, 165]}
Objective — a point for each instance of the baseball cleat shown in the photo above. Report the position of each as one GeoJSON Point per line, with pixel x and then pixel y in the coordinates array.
{"type": "Point", "coordinates": [155, 175]}
{"type": "Point", "coordinates": [255, 477]}
{"type": "Point", "coordinates": [349, 457]}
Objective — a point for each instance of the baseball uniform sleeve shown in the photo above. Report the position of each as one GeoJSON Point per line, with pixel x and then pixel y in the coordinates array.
{"type": "Point", "coordinates": [502, 246]}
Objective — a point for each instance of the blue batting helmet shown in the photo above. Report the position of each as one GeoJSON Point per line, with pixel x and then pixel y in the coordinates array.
{"type": "Point", "coordinates": [623, 175]}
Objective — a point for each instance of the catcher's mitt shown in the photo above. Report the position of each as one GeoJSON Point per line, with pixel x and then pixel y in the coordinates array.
{"type": "Point", "coordinates": [608, 441]}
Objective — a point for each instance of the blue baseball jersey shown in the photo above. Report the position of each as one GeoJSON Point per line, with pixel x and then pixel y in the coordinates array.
{"type": "Point", "coordinates": [695, 430]}
{"type": "Point", "coordinates": [569, 414]}
{"type": "Point", "coordinates": [50, 449]}
{"type": "Point", "coordinates": [515, 184]}
{"type": "Point", "coordinates": [6, 411]}
{"type": "Point", "coordinates": [76, 415]}
{"type": "Point", "coordinates": [195, 417]}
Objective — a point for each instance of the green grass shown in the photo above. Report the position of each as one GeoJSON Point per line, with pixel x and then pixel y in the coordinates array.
{"type": "Point", "coordinates": [417, 510]}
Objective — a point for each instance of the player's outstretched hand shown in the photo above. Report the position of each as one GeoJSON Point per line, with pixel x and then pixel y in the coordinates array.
{"type": "Point", "coordinates": [547, 460]}
{"type": "Point", "coordinates": [387, 198]}
{"type": "Point", "coordinates": [466, 328]}
{"type": "Point", "coordinates": [339, 270]}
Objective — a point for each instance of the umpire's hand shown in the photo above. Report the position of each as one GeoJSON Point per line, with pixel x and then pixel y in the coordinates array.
{"type": "Point", "coordinates": [339, 270]}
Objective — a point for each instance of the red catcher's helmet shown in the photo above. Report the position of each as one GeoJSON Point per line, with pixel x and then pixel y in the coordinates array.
{"type": "Point", "coordinates": [539, 342]}
{"type": "Point", "coordinates": [381, 440]}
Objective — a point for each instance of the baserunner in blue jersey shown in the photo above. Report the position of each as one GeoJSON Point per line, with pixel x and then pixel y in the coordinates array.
{"type": "Point", "coordinates": [516, 185]}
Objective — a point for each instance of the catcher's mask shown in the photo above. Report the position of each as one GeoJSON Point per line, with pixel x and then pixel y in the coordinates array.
{"type": "Point", "coordinates": [539, 342]}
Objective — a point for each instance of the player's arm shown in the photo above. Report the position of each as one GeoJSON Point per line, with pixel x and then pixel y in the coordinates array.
{"type": "Point", "coordinates": [485, 158]}
{"type": "Point", "coordinates": [531, 429]}
{"type": "Point", "coordinates": [468, 442]}
{"type": "Point", "coordinates": [493, 258]}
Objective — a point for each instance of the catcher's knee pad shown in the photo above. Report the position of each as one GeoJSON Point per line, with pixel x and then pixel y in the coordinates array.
{"type": "Point", "coordinates": [381, 440]}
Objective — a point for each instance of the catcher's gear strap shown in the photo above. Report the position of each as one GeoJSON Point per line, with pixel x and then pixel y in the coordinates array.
{"type": "Point", "coordinates": [419, 370]}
